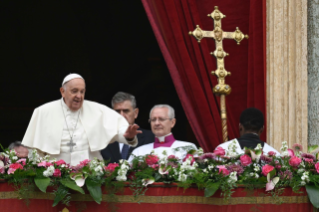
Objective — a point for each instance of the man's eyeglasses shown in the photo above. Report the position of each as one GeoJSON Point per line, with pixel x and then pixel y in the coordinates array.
{"type": "Point", "coordinates": [159, 120]}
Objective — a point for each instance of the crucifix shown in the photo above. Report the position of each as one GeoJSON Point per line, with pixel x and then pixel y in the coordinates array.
{"type": "Point", "coordinates": [71, 144]}
{"type": "Point", "coordinates": [221, 89]}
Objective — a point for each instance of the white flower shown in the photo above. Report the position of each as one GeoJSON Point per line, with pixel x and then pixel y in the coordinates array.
{"type": "Point", "coordinates": [15, 158]}
{"type": "Point", "coordinates": [252, 174]}
{"type": "Point", "coordinates": [121, 178]}
{"type": "Point", "coordinates": [302, 183]}
{"type": "Point", "coordinates": [205, 170]}
{"type": "Point", "coordinates": [300, 171]}
{"type": "Point", "coordinates": [49, 172]}
{"type": "Point", "coordinates": [210, 167]}
{"type": "Point", "coordinates": [99, 170]}
{"type": "Point", "coordinates": [232, 177]}
{"type": "Point", "coordinates": [258, 147]}
{"type": "Point", "coordinates": [284, 149]}
{"type": "Point", "coordinates": [256, 176]}
{"type": "Point", "coordinates": [182, 177]}
{"type": "Point", "coordinates": [200, 151]}
{"type": "Point", "coordinates": [256, 168]}
{"type": "Point", "coordinates": [232, 149]}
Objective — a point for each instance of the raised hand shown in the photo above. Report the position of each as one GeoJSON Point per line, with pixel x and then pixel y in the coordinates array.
{"type": "Point", "coordinates": [131, 132]}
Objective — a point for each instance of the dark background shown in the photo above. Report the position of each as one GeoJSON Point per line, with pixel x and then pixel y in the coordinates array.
{"type": "Point", "coordinates": [110, 43]}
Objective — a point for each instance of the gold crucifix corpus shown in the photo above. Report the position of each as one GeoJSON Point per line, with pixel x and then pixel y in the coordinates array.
{"type": "Point", "coordinates": [221, 89]}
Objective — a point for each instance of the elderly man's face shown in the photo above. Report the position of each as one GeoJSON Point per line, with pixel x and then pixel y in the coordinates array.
{"type": "Point", "coordinates": [160, 123]}
{"type": "Point", "coordinates": [74, 93]}
{"type": "Point", "coordinates": [127, 111]}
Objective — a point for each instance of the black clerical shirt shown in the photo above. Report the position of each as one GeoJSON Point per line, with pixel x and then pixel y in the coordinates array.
{"type": "Point", "coordinates": [250, 140]}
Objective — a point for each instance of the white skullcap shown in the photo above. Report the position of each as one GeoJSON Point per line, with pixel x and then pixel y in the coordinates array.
{"type": "Point", "coordinates": [71, 77]}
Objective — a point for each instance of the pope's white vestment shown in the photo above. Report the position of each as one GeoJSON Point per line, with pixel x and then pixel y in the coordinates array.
{"type": "Point", "coordinates": [92, 127]}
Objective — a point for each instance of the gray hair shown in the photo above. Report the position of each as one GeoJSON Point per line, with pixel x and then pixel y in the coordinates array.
{"type": "Point", "coordinates": [121, 97]}
{"type": "Point", "coordinates": [171, 111]}
{"type": "Point", "coordinates": [15, 144]}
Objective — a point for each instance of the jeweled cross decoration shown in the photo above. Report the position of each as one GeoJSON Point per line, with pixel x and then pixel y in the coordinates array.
{"type": "Point", "coordinates": [71, 144]}
{"type": "Point", "coordinates": [218, 35]}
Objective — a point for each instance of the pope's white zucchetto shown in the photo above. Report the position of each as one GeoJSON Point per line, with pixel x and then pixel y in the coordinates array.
{"type": "Point", "coordinates": [71, 77]}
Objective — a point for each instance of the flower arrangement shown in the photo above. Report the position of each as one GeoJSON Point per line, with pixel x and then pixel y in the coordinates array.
{"type": "Point", "coordinates": [209, 171]}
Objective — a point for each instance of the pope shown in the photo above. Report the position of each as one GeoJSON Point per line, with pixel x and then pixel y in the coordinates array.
{"type": "Point", "coordinates": [74, 129]}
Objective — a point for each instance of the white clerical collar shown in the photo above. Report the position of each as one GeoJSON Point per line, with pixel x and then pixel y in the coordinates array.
{"type": "Point", "coordinates": [162, 138]}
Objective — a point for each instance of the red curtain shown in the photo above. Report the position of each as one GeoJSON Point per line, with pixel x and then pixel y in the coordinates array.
{"type": "Point", "coordinates": [190, 63]}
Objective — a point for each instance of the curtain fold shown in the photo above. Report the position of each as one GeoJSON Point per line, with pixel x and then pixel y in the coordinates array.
{"type": "Point", "coordinates": [190, 63]}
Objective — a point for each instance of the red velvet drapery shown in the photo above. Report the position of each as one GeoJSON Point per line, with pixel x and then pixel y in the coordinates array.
{"type": "Point", "coordinates": [190, 64]}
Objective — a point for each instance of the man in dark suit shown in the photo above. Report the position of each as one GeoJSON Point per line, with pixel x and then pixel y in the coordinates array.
{"type": "Point", "coordinates": [125, 104]}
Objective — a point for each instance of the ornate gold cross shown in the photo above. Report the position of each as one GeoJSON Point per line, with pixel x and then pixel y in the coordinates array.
{"type": "Point", "coordinates": [218, 34]}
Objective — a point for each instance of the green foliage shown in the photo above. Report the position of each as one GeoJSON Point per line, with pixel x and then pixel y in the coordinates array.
{"type": "Point", "coordinates": [211, 189]}
{"type": "Point", "coordinates": [94, 188]}
{"type": "Point", "coordinates": [313, 194]}
{"type": "Point", "coordinates": [42, 183]}
{"type": "Point", "coordinates": [72, 185]}
{"type": "Point", "coordinates": [62, 193]}
{"type": "Point", "coordinates": [312, 148]}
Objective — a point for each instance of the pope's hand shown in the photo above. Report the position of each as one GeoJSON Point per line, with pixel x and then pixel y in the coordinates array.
{"type": "Point", "coordinates": [131, 132]}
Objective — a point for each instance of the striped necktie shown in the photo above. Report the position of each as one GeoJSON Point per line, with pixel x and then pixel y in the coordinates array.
{"type": "Point", "coordinates": [124, 152]}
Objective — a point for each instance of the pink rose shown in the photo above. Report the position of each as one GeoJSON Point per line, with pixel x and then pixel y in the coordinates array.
{"type": "Point", "coordinates": [44, 164]}
{"type": "Point", "coordinates": [294, 161]}
{"type": "Point", "coordinates": [57, 173]}
{"type": "Point", "coordinates": [189, 155]}
{"type": "Point", "coordinates": [266, 169]}
{"type": "Point", "coordinates": [13, 167]}
{"type": "Point", "coordinates": [22, 160]}
{"type": "Point", "coordinates": [111, 167]}
{"type": "Point", "coordinates": [60, 162]}
{"type": "Point", "coordinates": [223, 170]}
{"type": "Point", "coordinates": [317, 167]}
{"type": "Point", "coordinates": [154, 166]}
{"type": "Point", "coordinates": [151, 159]}
{"type": "Point", "coordinates": [85, 162]}
{"type": "Point", "coordinates": [245, 160]}
{"type": "Point", "coordinates": [219, 151]}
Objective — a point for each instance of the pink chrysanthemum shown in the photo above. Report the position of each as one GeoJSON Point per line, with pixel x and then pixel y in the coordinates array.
{"type": "Point", "coordinates": [265, 159]}
{"type": "Point", "coordinates": [309, 156]}
{"type": "Point", "coordinates": [235, 168]}
{"type": "Point", "coordinates": [286, 175]}
{"type": "Point", "coordinates": [297, 147]}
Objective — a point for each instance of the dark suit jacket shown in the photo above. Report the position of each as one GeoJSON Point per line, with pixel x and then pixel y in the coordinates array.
{"type": "Point", "coordinates": [112, 151]}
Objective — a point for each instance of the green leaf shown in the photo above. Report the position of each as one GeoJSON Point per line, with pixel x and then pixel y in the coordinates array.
{"type": "Point", "coordinates": [94, 189]}
{"type": "Point", "coordinates": [157, 176]}
{"type": "Point", "coordinates": [42, 183]}
{"type": "Point", "coordinates": [272, 173]}
{"type": "Point", "coordinates": [313, 193]}
{"type": "Point", "coordinates": [72, 185]}
{"type": "Point", "coordinates": [312, 148]}
{"type": "Point", "coordinates": [60, 194]}
{"type": "Point", "coordinates": [211, 189]}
